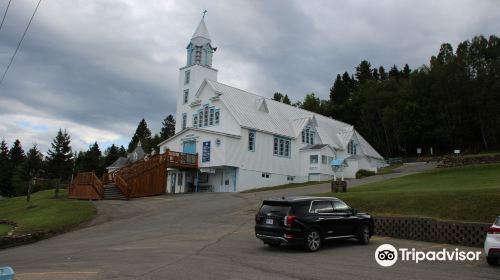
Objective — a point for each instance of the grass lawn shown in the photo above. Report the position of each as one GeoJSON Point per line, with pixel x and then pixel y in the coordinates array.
{"type": "Point", "coordinates": [286, 186]}
{"type": "Point", "coordinates": [470, 193]}
{"type": "Point", "coordinates": [44, 213]}
{"type": "Point", "coordinates": [389, 169]}
{"type": "Point", "coordinates": [4, 229]}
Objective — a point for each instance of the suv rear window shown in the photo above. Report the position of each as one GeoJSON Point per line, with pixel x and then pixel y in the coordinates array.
{"type": "Point", "coordinates": [279, 210]}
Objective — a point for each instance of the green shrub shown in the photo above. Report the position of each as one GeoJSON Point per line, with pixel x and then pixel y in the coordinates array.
{"type": "Point", "coordinates": [364, 173]}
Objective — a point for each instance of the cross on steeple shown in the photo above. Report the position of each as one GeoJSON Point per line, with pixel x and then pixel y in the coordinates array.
{"type": "Point", "coordinates": [204, 12]}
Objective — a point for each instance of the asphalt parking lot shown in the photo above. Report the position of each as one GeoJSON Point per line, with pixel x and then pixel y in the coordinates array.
{"type": "Point", "coordinates": [209, 236]}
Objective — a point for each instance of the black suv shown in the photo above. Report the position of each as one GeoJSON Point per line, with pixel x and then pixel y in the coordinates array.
{"type": "Point", "coordinates": [310, 221]}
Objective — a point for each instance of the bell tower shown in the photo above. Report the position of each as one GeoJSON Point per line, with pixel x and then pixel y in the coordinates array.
{"type": "Point", "coordinates": [198, 68]}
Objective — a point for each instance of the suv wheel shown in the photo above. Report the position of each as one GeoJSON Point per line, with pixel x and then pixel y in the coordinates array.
{"type": "Point", "coordinates": [313, 240]}
{"type": "Point", "coordinates": [492, 261]}
{"type": "Point", "coordinates": [363, 234]}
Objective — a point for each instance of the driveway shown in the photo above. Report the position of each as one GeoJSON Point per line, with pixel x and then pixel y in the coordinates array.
{"type": "Point", "coordinates": [406, 169]}
{"type": "Point", "coordinates": [209, 236]}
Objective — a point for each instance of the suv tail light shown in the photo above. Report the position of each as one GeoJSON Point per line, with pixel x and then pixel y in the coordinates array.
{"type": "Point", "coordinates": [494, 230]}
{"type": "Point", "coordinates": [288, 221]}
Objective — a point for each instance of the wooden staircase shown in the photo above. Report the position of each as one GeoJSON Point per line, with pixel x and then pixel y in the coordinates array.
{"type": "Point", "coordinates": [145, 177]}
{"type": "Point", "coordinates": [113, 192]}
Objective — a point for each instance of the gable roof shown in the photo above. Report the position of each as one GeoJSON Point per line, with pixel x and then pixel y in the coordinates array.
{"type": "Point", "coordinates": [283, 119]}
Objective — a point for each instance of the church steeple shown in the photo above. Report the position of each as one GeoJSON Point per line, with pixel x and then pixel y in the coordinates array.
{"type": "Point", "coordinates": [200, 50]}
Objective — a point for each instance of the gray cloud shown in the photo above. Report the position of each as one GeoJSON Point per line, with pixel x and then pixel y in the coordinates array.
{"type": "Point", "coordinates": [98, 67]}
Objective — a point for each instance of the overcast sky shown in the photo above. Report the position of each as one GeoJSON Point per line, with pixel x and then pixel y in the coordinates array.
{"type": "Point", "coordinates": [96, 68]}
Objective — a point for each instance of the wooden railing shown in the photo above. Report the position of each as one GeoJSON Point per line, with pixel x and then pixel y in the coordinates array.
{"type": "Point", "coordinates": [122, 185]}
{"type": "Point", "coordinates": [141, 178]}
{"type": "Point", "coordinates": [86, 185]}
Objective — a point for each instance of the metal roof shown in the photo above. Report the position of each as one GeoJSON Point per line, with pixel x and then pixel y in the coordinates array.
{"type": "Point", "coordinates": [285, 120]}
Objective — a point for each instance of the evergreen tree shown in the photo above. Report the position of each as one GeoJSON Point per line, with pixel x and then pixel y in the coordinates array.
{"type": "Point", "coordinates": [60, 158]}
{"type": "Point", "coordinates": [111, 154]}
{"type": "Point", "coordinates": [167, 128]}
{"type": "Point", "coordinates": [405, 73]}
{"type": "Point", "coordinates": [16, 154]}
{"type": "Point", "coordinates": [27, 171]}
{"type": "Point", "coordinates": [394, 72]}
{"type": "Point", "coordinates": [122, 152]}
{"type": "Point", "coordinates": [278, 96]}
{"type": "Point", "coordinates": [5, 171]}
{"type": "Point", "coordinates": [364, 72]}
{"type": "Point", "coordinates": [311, 103]}
{"type": "Point", "coordinates": [143, 134]}
{"type": "Point", "coordinates": [382, 74]}
{"type": "Point", "coordinates": [286, 100]}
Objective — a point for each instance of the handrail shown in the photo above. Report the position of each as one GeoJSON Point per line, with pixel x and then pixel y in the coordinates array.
{"type": "Point", "coordinates": [89, 179]}
{"type": "Point", "coordinates": [122, 185]}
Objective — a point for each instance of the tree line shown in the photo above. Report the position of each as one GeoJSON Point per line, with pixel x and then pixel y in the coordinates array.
{"type": "Point", "coordinates": [451, 103]}
{"type": "Point", "coordinates": [19, 170]}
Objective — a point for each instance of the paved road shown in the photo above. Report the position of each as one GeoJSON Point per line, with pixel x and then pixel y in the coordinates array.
{"type": "Point", "coordinates": [209, 236]}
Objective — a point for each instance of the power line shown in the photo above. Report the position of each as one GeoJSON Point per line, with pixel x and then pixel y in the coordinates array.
{"type": "Point", "coordinates": [20, 41]}
{"type": "Point", "coordinates": [5, 14]}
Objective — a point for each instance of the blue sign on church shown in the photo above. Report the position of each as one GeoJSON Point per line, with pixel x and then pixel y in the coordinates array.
{"type": "Point", "coordinates": [206, 152]}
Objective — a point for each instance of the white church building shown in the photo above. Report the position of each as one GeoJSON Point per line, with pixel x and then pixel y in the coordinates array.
{"type": "Point", "coordinates": [246, 141]}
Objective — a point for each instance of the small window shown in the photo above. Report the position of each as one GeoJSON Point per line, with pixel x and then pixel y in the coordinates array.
{"type": "Point", "coordinates": [187, 77]}
{"type": "Point", "coordinates": [275, 146]}
{"type": "Point", "coordinates": [195, 120]}
{"type": "Point", "coordinates": [200, 119]}
{"type": "Point", "coordinates": [321, 207]}
{"type": "Point", "coordinates": [217, 117]}
{"type": "Point", "coordinates": [289, 178]}
{"type": "Point", "coordinates": [186, 96]}
{"type": "Point", "coordinates": [205, 116]}
{"type": "Point", "coordinates": [212, 112]}
{"type": "Point", "coordinates": [179, 179]}
{"type": "Point", "coordinates": [251, 140]}
{"type": "Point", "coordinates": [265, 175]}
{"type": "Point", "coordinates": [313, 159]}
{"type": "Point", "coordinates": [287, 148]}
{"type": "Point", "coordinates": [303, 136]}
{"type": "Point", "coordinates": [324, 159]}
{"type": "Point", "coordinates": [351, 148]}
{"type": "Point", "coordinates": [184, 120]}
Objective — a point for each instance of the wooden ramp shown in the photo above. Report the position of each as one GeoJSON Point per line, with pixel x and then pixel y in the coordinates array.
{"type": "Point", "coordinates": [145, 177]}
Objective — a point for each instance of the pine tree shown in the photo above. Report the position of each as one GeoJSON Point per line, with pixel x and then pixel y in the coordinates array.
{"type": "Point", "coordinates": [27, 171]}
{"type": "Point", "coordinates": [143, 134]}
{"type": "Point", "coordinates": [278, 96]}
{"type": "Point", "coordinates": [111, 154]}
{"type": "Point", "coordinates": [364, 72]}
{"type": "Point", "coordinates": [382, 74]}
{"type": "Point", "coordinates": [286, 100]}
{"type": "Point", "coordinates": [5, 171]}
{"type": "Point", "coordinates": [16, 154]}
{"type": "Point", "coordinates": [394, 72]}
{"type": "Point", "coordinates": [167, 128]}
{"type": "Point", "coordinates": [405, 74]}
{"type": "Point", "coordinates": [60, 158]}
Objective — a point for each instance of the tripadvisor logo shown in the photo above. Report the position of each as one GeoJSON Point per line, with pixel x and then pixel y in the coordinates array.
{"type": "Point", "coordinates": [387, 255]}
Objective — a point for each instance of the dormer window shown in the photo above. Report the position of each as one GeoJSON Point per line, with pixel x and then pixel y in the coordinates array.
{"type": "Point", "coordinates": [351, 148]}
{"type": "Point", "coordinates": [308, 135]}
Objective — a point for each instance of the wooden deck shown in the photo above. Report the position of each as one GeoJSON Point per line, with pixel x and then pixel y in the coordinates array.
{"type": "Point", "coordinates": [145, 177]}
